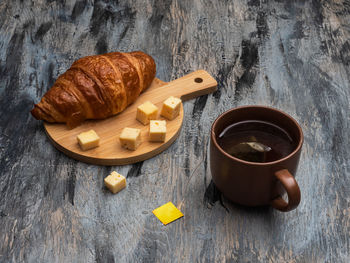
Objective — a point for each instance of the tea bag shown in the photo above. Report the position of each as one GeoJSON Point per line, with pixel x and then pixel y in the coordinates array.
{"type": "Point", "coordinates": [251, 151]}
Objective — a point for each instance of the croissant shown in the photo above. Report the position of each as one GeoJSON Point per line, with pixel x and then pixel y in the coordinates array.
{"type": "Point", "coordinates": [96, 87]}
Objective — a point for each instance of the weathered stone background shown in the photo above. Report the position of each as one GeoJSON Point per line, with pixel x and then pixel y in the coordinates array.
{"type": "Point", "coordinates": [293, 55]}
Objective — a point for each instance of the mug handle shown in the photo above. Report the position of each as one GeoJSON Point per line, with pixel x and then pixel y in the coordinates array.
{"type": "Point", "coordinates": [292, 189]}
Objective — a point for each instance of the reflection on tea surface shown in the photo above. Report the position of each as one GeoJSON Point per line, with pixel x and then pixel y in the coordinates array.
{"type": "Point", "coordinates": [256, 141]}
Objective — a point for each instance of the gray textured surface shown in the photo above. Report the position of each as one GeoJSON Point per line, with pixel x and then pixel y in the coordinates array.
{"type": "Point", "coordinates": [293, 55]}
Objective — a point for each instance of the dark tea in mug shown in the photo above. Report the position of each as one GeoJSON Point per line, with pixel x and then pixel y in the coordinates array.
{"type": "Point", "coordinates": [256, 141]}
{"type": "Point", "coordinates": [270, 143]}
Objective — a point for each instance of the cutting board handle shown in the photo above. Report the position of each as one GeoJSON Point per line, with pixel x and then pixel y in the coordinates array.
{"type": "Point", "coordinates": [192, 85]}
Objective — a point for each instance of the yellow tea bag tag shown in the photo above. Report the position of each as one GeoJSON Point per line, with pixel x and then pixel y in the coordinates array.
{"type": "Point", "coordinates": [167, 213]}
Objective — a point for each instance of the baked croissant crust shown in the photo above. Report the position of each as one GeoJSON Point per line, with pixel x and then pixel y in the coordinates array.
{"type": "Point", "coordinates": [96, 87]}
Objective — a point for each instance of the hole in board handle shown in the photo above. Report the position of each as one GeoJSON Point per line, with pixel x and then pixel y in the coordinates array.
{"type": "Point", "coordinates": [198, 80]}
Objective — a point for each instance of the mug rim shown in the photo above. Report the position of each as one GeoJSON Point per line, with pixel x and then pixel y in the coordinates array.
{"type": "Point", "coordinates": [213, 135]}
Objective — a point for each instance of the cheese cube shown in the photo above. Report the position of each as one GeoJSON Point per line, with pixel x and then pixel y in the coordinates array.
{"type": "Point", "coordinates": [157, 131]}
{"type": "Point", "coordinates": [88, 140]}
{"type": "Point", "coordinates": [171, 108]}
{"type": "Point", "coordinates": [146, 112]}
{"type": "Point", "coordinates": [115, 182]}
{"type": "Point", "coordinates": [130, 138]}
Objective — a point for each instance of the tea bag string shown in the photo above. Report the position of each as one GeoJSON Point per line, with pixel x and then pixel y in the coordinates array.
{"type": "Point", "coordinates": [182, 201]}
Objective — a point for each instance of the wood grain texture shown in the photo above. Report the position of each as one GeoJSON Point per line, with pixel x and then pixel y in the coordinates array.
{"type": "Point", "coordinates": [292, 55]}
{"type": "Point", "coordinates": [109, 151]}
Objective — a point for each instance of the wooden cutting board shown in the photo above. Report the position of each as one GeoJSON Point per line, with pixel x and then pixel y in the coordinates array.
{"type": "Point", "coordinates": [110, 151]}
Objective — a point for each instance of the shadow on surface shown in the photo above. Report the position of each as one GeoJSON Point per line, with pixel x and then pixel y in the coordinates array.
{"type": "Point", "coordinates": [212, 195]}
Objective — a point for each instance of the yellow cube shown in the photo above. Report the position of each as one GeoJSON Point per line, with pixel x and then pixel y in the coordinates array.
{"type": "Point", "coordinates": [157, 131]}
{"type": "Point", "coordinates": [115, 182]}
{"type": "Point", "coordinates": [130, 138]}
{"type": "Point", "coordinates": [88, 140]}
{"type": "Point", "coordinates": [146, 112]}
{"type": "Point", "coordinates": [171, 108]}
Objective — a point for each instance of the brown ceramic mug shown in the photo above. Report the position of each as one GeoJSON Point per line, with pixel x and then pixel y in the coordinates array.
{"type": "Point", "coordinates": [252, 183]}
